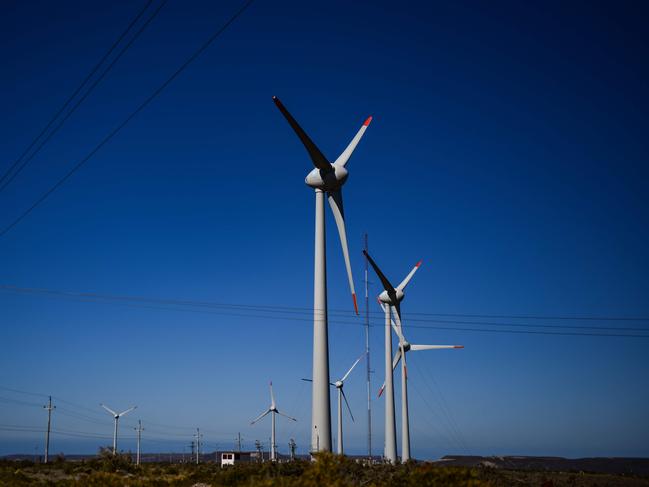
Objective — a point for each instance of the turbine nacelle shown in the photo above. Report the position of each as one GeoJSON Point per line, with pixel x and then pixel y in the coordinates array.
{"type": "Point", "coordinates": [396, 297]}
{"type": "Point", "coordinates": [327, 180]}
{"type": "Point", "coordinates": [338, 384]}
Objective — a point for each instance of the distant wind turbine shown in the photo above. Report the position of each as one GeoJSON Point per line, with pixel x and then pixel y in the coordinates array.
{"type": "Point", "coordinates": [116, 416]}
{"type": "Point", "coordinates": [341, 395]}
{"type": "Point", "coordinates": [272, 409]}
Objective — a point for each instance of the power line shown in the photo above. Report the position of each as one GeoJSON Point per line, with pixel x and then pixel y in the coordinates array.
{"type": "Point", "coordinates": [531, 332]}
{"type": "Point", "coordinates": [592, 331]}
{"type": "Point", "coordinates": [377, 323]}
{"type": "Point", "coordinates": [539, 317]}
{"type": "Point", "coordinates": [524, 325]}
{"type": "Point", "coordinates": [453, 426]}
{"type": "Point", "coordinates": [7, 177]}
{"type": "Point", "coordinates": [35, 394]}
{"type": "Point", "coordinates": [119, 127]}
{"type": "Point", "coordinates": [100, 418]}
{"type": "Point", "coordinates": [263, 312]}
{"type": "Point", "coordinates": [447, 434]}
{"type": "Point", "coordinates": [17, 401]}
{"type": "Point", "coordinates": [309, 311]}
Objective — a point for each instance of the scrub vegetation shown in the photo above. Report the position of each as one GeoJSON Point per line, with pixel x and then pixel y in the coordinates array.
{"type": "Point", "coordinates": [106, 470]}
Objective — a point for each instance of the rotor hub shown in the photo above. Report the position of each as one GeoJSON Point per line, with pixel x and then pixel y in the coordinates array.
{"type": "Point", "coordinates": [327, 180]}
{"type": "Point", "coordinates": [385, 298]}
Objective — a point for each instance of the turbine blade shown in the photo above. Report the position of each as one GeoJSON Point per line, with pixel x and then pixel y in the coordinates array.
{"type": "Point", "coordinates": [272, 396]}
{"type": "Point", "coordinates": [348, 408]}
{"type": "Point", "coordinates": [406, 280]}
{"type": "Point", "coordinates": [346, 154]}
{"type": "Point", "coordinates": [336, 202]}
{"type": "Point", "coordinates": [395, 362]}
{"type": "Point", "coordinates": [307, 380]}
{"type": "Point", "coordinates": [108, 409]}
{"type": "Point", "coordinates": [260, 416]}
{"type": "Point", "coordinates": [434, 347]}
{"type": "Point", "coordinates": [285, 415]}
{"type": "Point", "coordinates": [319, 160]}
{"type": "Point", "coordinates": [127, 411]}
{"type": "Point", "coordinates": [396, 311]}
{"type": "Point", "coordinates": [330, 383]}
{"type": "Point", "coordinates": [352, 367]}
{"type": "Point", "coordinates": [384, 280]}
{"type": "Point", "coordinates": [397, 357]}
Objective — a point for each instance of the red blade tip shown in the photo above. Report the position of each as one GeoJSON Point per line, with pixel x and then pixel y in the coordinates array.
{"type": "Point", "coordinates": [367, 122]}
{"type": "Point", "coordinates": [418, 263]}
{"type": "Point", "coordinates": [355, 303]}
{"type": "Point", "coordinates": [458, 346]}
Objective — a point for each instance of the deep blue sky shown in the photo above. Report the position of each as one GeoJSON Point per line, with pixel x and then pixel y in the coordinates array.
{"type": "Point", "coordinates": [508, 150]}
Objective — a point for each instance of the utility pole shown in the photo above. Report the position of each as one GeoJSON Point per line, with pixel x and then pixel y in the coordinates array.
{"type": "Point", "coordinates": [367, 359]}
{"type": "Point", "coordinates": [198, 444]}
{"type": "Point", "coordinates": [260, 458]}
{"type": "Point", "coordinates": [291, 448]}
{"type": "Point", "coordinates": [139, 430]}
{"type": "Point", "coordinates": [193, 448]}
{"type": "Point", "coordinates": [239, 442]}
{"type": "Point", "coordinates": [48, 408]}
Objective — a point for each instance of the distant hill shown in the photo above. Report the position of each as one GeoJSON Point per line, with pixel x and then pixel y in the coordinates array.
{"type": "Point", "coordinates": [612, 465]}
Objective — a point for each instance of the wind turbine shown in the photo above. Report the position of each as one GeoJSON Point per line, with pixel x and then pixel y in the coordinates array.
{"type": "Point", "coordinates": [402, 351]}
{"type": "Point", "coordinates": [325, 177]}
{"type": "Point", "coordinates": [392, 297]}
{"type": "Point", "coordinates": [272, 409]}
{"type": "Point", "coordinates": [341, 395]}
{"type": "Point", "coordinates": [116, 416]}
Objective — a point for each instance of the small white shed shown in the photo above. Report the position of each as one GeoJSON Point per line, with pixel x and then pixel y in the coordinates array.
{"type": "Point", "coordinates": [230, 458]}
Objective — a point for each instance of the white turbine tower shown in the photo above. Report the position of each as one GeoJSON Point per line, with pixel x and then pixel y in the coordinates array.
{"type": "Point", "coordinates": [272, 409]}
{"type": "Point", "coordinates": [402, 351]}
{"type": "Point", "coordinates": [116, 416]}
{"type": "Point", "coordinates": [325, 177]}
